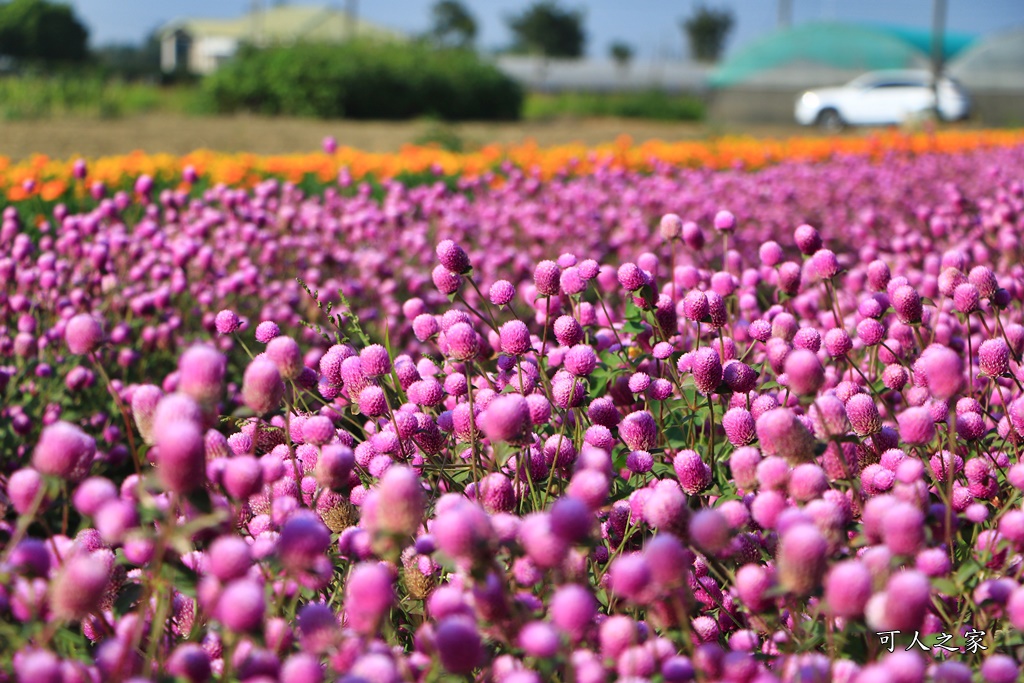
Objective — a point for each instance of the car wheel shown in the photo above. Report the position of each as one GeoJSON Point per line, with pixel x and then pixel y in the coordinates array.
{"type": "Point", "coordinates": [830, 120]}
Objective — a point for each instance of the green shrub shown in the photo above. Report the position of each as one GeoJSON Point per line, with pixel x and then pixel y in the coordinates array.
{"type": "Point", "coordinates": [364, 80]}
{"type": "Point", "coordinates": [649, 104]}
{"type": "Point", "coordinates": [88, 95]}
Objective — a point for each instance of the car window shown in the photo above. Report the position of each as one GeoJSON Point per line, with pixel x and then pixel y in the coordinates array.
{"type": "Point", "coordinates": [906, 83]}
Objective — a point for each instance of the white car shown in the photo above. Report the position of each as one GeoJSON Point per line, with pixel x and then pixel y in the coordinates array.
{"type": "Point", "coordinates": [881, 98]}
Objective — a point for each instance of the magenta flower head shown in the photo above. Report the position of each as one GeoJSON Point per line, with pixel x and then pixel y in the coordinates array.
{"type": "Point", "coordinates": [501, 293]}
{"type": "Point", "coordinates": [241, 605]}
{"type": "Point", "coordinates": [848, 589]}
{"type": "Point", "coordinates": [895, 376]}
{"type": "Point", "coordinates": [802, 558]}
{"type": "Point", "coordinates": [725, 221]}
{"type": "Point", "coordinates": [630, 577]}
{"type": "Point", "coordinates": [806, 375]}
{"type": "Point", "coordinates": [572, 609]}
{"type": "Point", "coordinates": [458, 644]}
{"type": "Point", "coordinates": [262, 386]}
{"type": "Point", "coordinates": [671, 227]}
{"type": "Point", "coordinates": [694, 474]}
{"type": "Point", "coordinates": [78, 587]}
{"type": "Point", "coordinates": [507, 418]}
{"type": "Point", "coordinates": [201, 374]}
{"type": "Point", "coordinates": [546, 278]}
{"type": "Point", "coordinates": [445, 280]}
{"type": "Point", "coordinates": [369, 594]}
{"type": "Point", "coordinates": [916, 426]}
{"type": "Point", "coordinates": [453, 257]}
{"type": "Point", "coordinates": [286, 354]}
{"type": "Point", "coordinates": [707, 370]}
{"type": "Point", "coordinates": [863, 414]}
{"type": "Point", "coordinates": [709, 529]}
{"type": "Point", "coordinates": [303, 541]}
{"type": "Point", "coordinates": [907, 304]}
{"type": "Point", "coordinates": [994, 357]}
{"type": "Point", "coordinates": [781, 433]}
{"type": "Point", "coordinates": [83, 334]}
{"type": "Point", "coordinates": [631, 277]}
{"type": "Point", "coordinates": [400, 502]}
{"type": "Point", "coordinates": [266, 331]}
{"type": "Point", "coordinates": [144, 401]}
{"type": "Point", "coordinates": [227, 322]}
{"type": "Point", "coordinates": [543, 546]}
{"type": "Point", "coordinates": [825, 263]}
{"type": "Point", "coordinates": [639, 431]}
{"type": "Point", "coordinates": [837, 342]}
{"type": "Point", "coordinates": [739, 426]}
{"type": "Point", "coordinates": [64, 451]}
{"type": "Point", "coordinates": [568, 331]}
{"type": "Point", "coordinates": [463, 341]}
{"type": "Point", "coordinates": [514, 337]}
{"type": "Point", "coordinates": [907, 599]}
{"type": "Point", "coordinates": [753, 583]}
{"type": "Point", "coordinates": [191, 662]}
{"type": "Point", "coordinates": [539, 639]}
{"type": "Point", "coordinates": [181, 455]}
{"type": "Point", "coordinates": [807, 239]}
{"type": "Point", "coordinates": [944, 371]}
{"type": "Point", "coordinates": [966, 298]}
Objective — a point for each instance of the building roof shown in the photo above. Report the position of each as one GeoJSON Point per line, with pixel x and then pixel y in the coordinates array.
{"type": "Point", "coordinates": [281, 23]}
{"type": "Point", "coordinates": [997, 62]}
{"type": "Point", "coordinates": [823, 53]}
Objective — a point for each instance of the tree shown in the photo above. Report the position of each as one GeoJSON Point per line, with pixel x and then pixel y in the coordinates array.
{"type": "Point", "coordinates": [43, 31]}
{"type": "Point", "coordinates": [706, 31]}
{"type": "Point", "coordinates": [453, 25]}
{"type": "Point", "coordinates": [546, 29]}
{"type": "Point", "coordinates": [621, 53]}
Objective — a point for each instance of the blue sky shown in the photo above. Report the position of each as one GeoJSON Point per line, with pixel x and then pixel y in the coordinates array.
{"type": "Point", "coordinates": [651, 26]}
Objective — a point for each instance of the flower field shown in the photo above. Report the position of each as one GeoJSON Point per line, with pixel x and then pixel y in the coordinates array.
{"type": "Point", "coordinates": [740, 411]}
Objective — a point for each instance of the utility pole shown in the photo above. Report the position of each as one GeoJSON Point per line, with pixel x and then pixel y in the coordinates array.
{"type": "Point", "coordinates": [785, 13]}
{"type": "Point", "coordinates": [938, 47]}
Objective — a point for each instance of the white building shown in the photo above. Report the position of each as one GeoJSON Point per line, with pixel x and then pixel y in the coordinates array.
{"type": "Point", "coordinates": [200, 46]}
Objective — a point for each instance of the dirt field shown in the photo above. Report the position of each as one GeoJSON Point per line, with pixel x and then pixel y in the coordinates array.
{"type": "Point", "coordinates": [64, 138]}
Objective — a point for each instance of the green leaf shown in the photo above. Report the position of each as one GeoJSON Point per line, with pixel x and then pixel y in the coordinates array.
{"type": "Point", "coordinates": [127, 598]}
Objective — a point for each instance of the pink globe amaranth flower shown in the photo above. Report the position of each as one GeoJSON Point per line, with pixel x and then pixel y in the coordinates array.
{"type": "Point", "coordinates": [707, 370]}
{"type": "Point", "coordinates": [463, 341]}
{"type": "Point", "coordinates": [639, 431]}
{"type": "Point", "coordinates": [303, 541]}
{"type": "Point", "coordinates": [542, 545]}
{"type": "Point", "coordinates": [286, 355]}
{"type": "Point", "coordinates": [507, 418]}
{"type": "Point", "coordinates": [878, 275]}
{"type": "Point", "coordinates": [770, 254]}
{"type": "Point", "coordinates": [229, 557]}
{"type": "Point", "coordinates": [693, 236]}
{"type": "Point", "coordinates": [453, 257]}
{"type": "Point", "coordinates": [802, 558]}
{"type": "Point", "coordinates": [497, 493]}
{"type": "Point", "coordinates": [241, 605]}
{"type": "Point", "coordinates": [631, 277]}
{"type": "Point", "coordinates": [943, 370]}
{"type": "Point", "coordinates": [671, 227]}
{"type": "Point", "coordinates": [665, 508]}
{"type": "Point", "coordinates": [694, 474]}
{"type": "Point", "coordinates": [870, 331]}
{"type": "Point", "coordinates": [739, 377]}
{"type": "Point", "coordinates": [825, 263]}
{"type": "Point", "coordinates": [201, 372]}
{"type": "Point", "coordinates": [807, 239]}
{"type": "Point", "coordinates": [805, 373]}
{"type": "Point", "coordinates": [92, 493]}
{"type": "Point", "coordinates": [1015, 608]}
{"type": "Point", "coordinates": [572, 609]}
{"type": "Point", "coordinates": [401, 501]}
{"type": "Point", "coordinates": [446, 281]}
{"type": "Point", "coordinates": [695, 305]}
{"type": "Point", "coordinates": [369, 594]}
{"type": "Point", "coordinates": [630, 577]}
{"type": "Point", "coordinates": [78, 588]}
{"type": "Point", "coordinates": [863, 414]}
{"type": "Point", "coordinates": [753, 583]}
{"type": "Point", "coordinates": [539, 639]}
{"type": "Point", "coordinates": [903, 529]}
{"type": "Point", "coordinates": [568, 331]}
{"type": "Point", "coordinates": [807, 482]}
{"type": "Point", "coordinates": [374, 361]}
{"type": "Point", "coordinates": [907, 599]}
{"type": "Point", "coordinates": [546, 278]}
{"type": "Point", "coordinates": [848, 589]}
{"type": "Point", "coordinates": [64, 451]}
{"type": "Point", "coordinates": [514, 338]}
{"type": "Point", "coordinates": [916, 426]}
{"type": "Point", "coordinates": [262, 386]}
{"type": "Point", "coordinates": [180, 455]}
{"type": "Point", "coordinates": [781, 433]}
{"type": "Point", "coordinates": [501, 293]}
{"type": "Point", "coordinates": [462, 530]}
{"type": "Point", "coordinates": [226, 322]}
{"type": "Point", "coordinates": [895, 376]}
{"type": "Point", "coordinates": [191, 662]}
{"type": "Point", "coordinates": [725, 221]}
{"type": "Point", "coordinates": [966, 298]}
{"type": "Point", "coordinates": [761, 330]}
{"type": "Point", "coordinates": [710, 530]}
{"type": "Point", "coordinates": [837, 342]}
{"type": "Point", "coordinates": [458, 644]}
{"type": "Point", "coordinates": [83, 334]}
{"type": "Point", "coordinates": [243, 476]}
{"type": "Point", "coordinates": [999, 668]}
{"type": "Point", "coordinates": [318, 430]}
{"type": "Point", "coordinates": [266, 331]}
{"type": "Point", "coordinates": [739, 426]}
{"type": "Point", "coordinates": [994, 357]}
{"type": "Point", "coordinates": [907, 304]}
